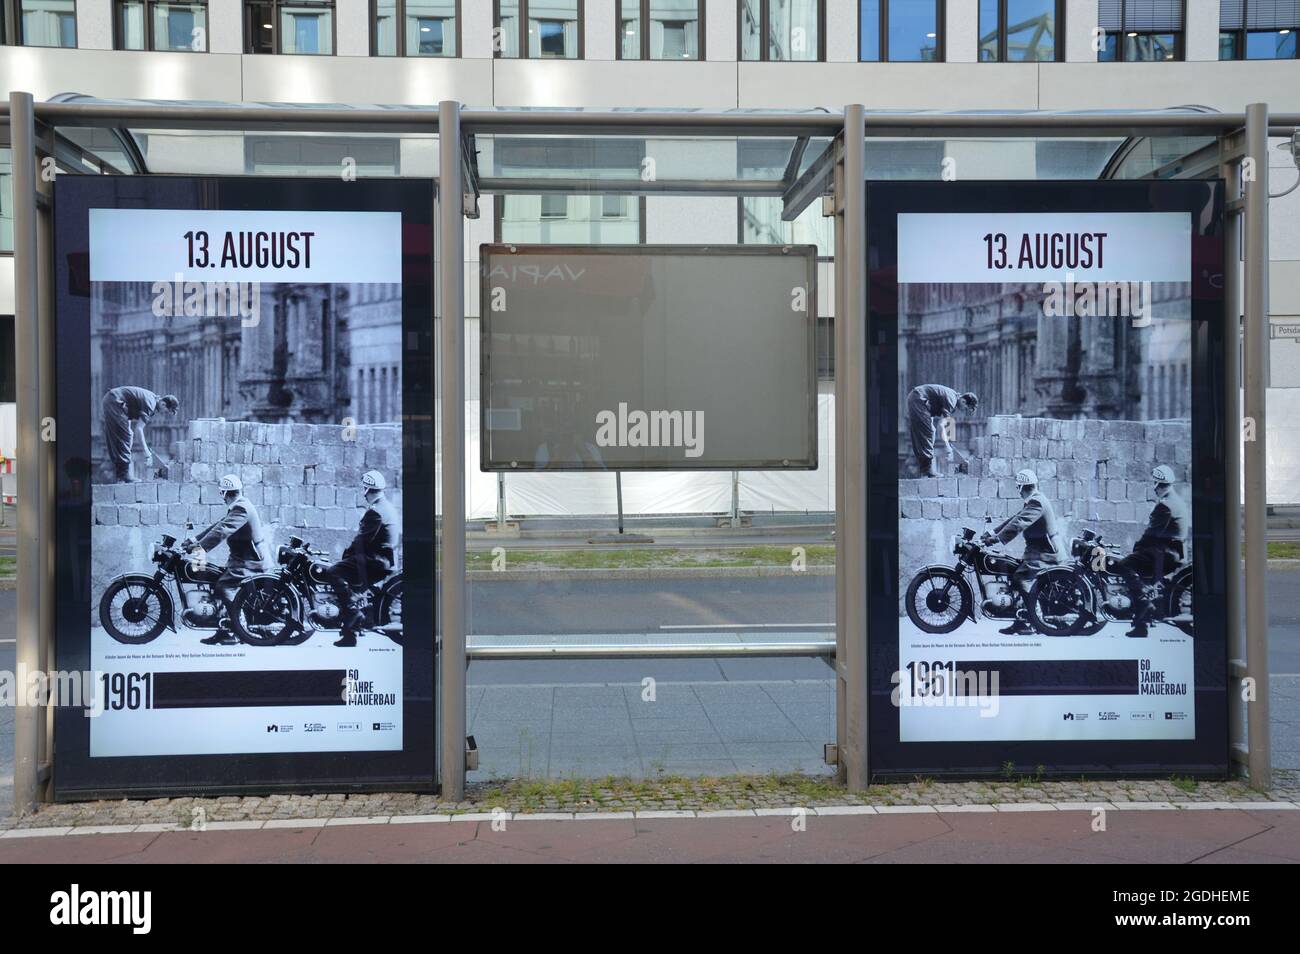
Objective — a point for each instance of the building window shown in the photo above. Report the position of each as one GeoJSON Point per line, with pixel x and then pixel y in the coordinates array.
{"type": "Point", "coordinates": [161, 25]}
{"type": "Point", "coordinates": [280, 26]}
{"type": "Point", "coordinates": [415, 27]}
{"type": "Point", "coordinates": [1140, 30]}
{"type": "Point", "coordinates": [589, 219]}
{"type": "Point", "coordinates": [660, 30]}
{"type": "Point", "coordinates": [794, 30]}
{"type": "Point", "coordinates": [39, 23]}
{"type": "Point", "coordinates": [1258, 29]}
{"type": "Point", "coordinates": [900, 31]}
{"type": "Point", "coordinates": [539, 29]}
{"type": "Point", "coordinates": [1021, 31]}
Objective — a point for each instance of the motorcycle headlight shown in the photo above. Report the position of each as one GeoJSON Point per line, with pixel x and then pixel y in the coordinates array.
{"type": "Point", "coordinates": [284, 554]}
{"type": "Point", "coordinates": [157, 555]}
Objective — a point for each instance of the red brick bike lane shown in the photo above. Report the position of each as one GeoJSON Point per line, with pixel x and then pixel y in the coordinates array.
{"type": "Point", "coordinates": [1169, 836]}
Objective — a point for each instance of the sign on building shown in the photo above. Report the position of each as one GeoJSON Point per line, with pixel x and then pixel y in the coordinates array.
{"type": "Point", "coordinates": [244, 522]}
{"type": "Point", "coordinates": [648, 357]}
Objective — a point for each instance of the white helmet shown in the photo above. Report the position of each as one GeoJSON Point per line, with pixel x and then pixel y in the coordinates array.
{"type": "Point", "coordinates": [230, 482]}
{"type": "Point", "coordinates": [1163, 474]}
{"type": "Point", "coordinates": [1026, 478]}
{"type": "Point", "coordinates": [373, 480]}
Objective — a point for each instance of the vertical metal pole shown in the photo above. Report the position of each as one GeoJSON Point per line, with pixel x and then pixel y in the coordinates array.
{"type": "Point", "coordinates": [841, 402]}
{"type": "Point", "coordinates": [451, 273]}
{"type": "Point", "coordinates": [1255, 346]}
{"type": "Point", "coordinates": [1231, 171]}
{"type": "Point", "coordinates": [852, 574]}
{"type": "Point", "coordinates": [618, 492]}
{"type": "Point", "coordinates": [735, 499]}
{"type": "Point", "coordinates": [28, 720]}
{"type": "Point", "coordinates": [501, 502]}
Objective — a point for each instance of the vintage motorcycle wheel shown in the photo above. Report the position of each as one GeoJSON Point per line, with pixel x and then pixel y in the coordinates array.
{"type": "Point", "coordinates": [1060, 603]}
{"type": "Point", "coordinates": [135, 609]}
{"type": "Point", "coordinates": [937, 600]}
{"type": "Point", "coordinates": [1180, 603]}
{"type": "Point", "coordinates": [389, 612]}
{"type": "Point", "coordinates": [266, 611]}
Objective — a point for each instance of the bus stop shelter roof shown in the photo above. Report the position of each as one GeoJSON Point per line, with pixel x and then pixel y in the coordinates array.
{"type": "Point", "coordinates": [566, 150]}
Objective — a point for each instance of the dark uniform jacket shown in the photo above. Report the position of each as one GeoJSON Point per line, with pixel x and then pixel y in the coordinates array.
{"type": "Point", "coordinates": [241, 530]}
{"type": "Point", "coordinates": [377, 536]}
{"type": "Point", "coordinates": [140, 403]}
{"type": "Point", "coordinates": [1165, 529]}
{"type": "Point", "coordinates": [941, 400]}
{"type": "Point", "coordinates": [1037, 521]}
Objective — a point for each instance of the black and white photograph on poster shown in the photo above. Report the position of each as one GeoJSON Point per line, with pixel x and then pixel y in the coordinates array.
{"type": "Point", "coordinates": [1045, 456]}
{"type": "Point", "coordinates": [246, 469]}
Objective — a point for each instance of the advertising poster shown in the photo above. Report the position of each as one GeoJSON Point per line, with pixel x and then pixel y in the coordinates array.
{"type": "Point", "coordinates": [251, 534]}
{"type": "Point", "coordinates": [1051, 463]}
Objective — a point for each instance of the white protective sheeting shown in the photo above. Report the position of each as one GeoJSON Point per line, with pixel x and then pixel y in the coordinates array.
{"type": "Point", "coordinates": [1282, 407]}
{"type": "Point", "coordinates": [652, 492]}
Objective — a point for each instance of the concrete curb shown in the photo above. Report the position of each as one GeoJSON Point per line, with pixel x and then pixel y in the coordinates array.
{"type": "Point", "coordinates": [499, 816]}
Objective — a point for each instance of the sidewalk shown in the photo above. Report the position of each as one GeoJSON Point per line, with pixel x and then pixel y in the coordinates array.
{"type": "Point", "coordinates": [919, 835]}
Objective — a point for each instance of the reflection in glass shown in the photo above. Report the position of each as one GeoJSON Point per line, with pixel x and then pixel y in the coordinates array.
{"type": "Point", "coordinates": [180, 26]}
{"type": "Point", "coordinates": [130, 25]}
{"type": "Point", "coordinates": [306, 29]}
{"type": "Point", "coordinates": [1031, 30]}
{"type": "Point", "coordinates": [506, 40]}
{"type": "Point", "coordinates": [913, 31]}
{"type": "Point", "coordinates": [989, 27]}
{"type": "Point", "coordinates": [1150, 47]}
{"type": "Point", "coordinates": [792, 30]}
{"type": "Point", "coordinates": [1271, 45]}
{"type": "Point", "coordinates": [751, 18]}
{"type": "Point", "coordinates": [674, 30]}
{"type": "Point", "coordinates": [869, 31]}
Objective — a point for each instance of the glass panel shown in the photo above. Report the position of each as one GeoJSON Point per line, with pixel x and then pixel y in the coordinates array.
{"type": "Point", "coordinates": [1228, 46]}
{"type": "Point", "coordinates": [869, 31]}
{"type": "Point", "coordinates": [130, 25]}
{"type": "Point", "coordinates": [259, 28]}
{"type": "Point", "coordinates": [1148, 47]}
{"type": "Point", "coordinates": [386, 27]}
{"type": "Point", "coordinates": [570, 219]}
{"type": "Point", "coordinates": [1031, 30]}
{"type": "Point", "coordinates": [306, 30]}
{"type": "Point", "coordinates": [553, 29]}
{"type": "Point", "coordinates": [913, 31]}
{"type": "Point", "coordinates": [507, 32]}
{"type": "Point", "coordinates": [1109, 49]}
{"type": "Point", "coordinates": [180, 26]}
{"type": "Point", "coordinates": [750, 28]}
{"type": "Point", "coordinates": [792, 30]}
{"type": "Point", "coordinates": [674, 30]}
{"type": "Point", "coordinates": [1270, 45]}
{"type": "Point", "coordinates": [989, 27]}
{"type": "Point", "coordinates": [49, 23]}
{"type": "Point", "coordinates": [6, 201]}
{"type": "Point", "coordinates": [629, 29]}
{"type": "Point", "coordinates": [431, 28]}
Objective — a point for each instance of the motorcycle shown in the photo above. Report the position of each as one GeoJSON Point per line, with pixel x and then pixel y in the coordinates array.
{"type": "Point", "coordinates": [1079, 599]}
{"type": "Point", "coordinates": [137, 607]}
{"type": "Point", "coordinates": [939, 597]}
{"type": "Point", "coordinates": [286, 608]}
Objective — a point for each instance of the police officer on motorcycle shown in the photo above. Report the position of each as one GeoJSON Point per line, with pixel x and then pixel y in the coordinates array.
{"type": "Point", "coordinates": [369, 558]}
{"type": "Point", "coordinates": [1158, 551]}
{"type": "Point", "coordinates": [241, 530]}
{"type": "Point", "coordinates": [1036, 520]}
